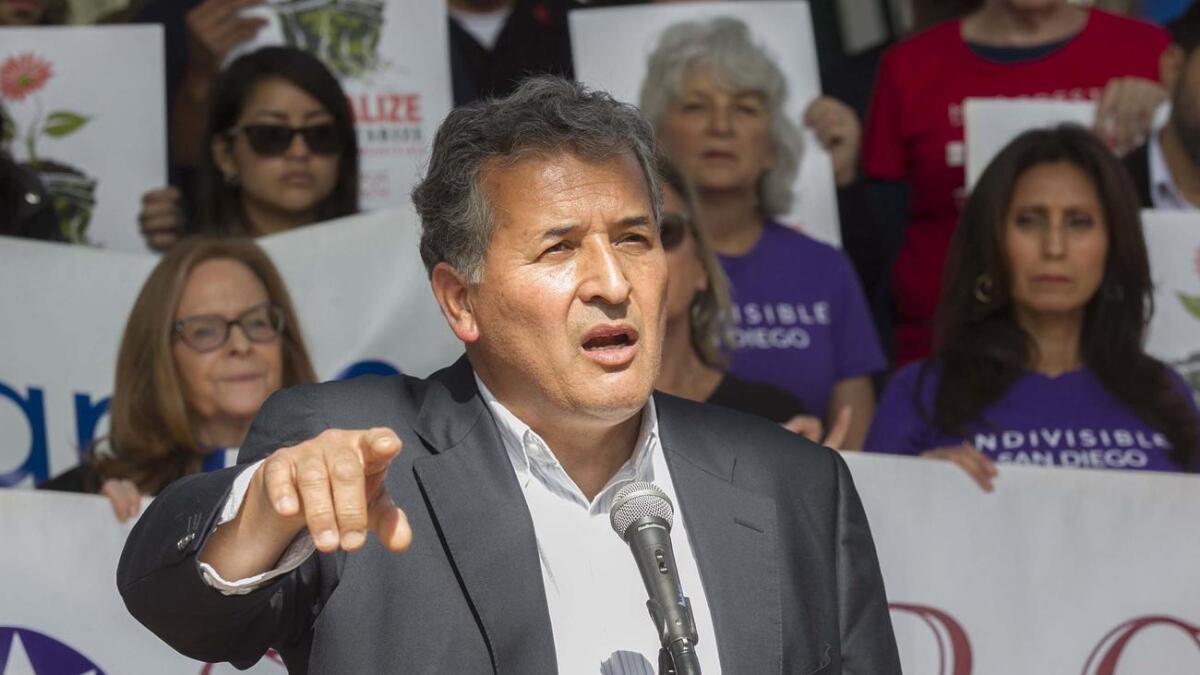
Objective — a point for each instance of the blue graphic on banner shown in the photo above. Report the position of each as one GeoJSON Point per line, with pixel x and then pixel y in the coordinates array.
{"type": "Point", "coordinates": [89, 412]}
{"type": "Point", "coordinates": [26, 651]}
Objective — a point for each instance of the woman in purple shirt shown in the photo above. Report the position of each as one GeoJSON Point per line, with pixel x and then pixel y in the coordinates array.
{"type": "Point", "coordinates": [800, 320]}
{"type": "Point", "coordinates": [1040, 328]}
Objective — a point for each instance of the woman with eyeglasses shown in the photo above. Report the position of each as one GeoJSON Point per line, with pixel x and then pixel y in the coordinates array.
{"type": "Point", "coordinates": [800, 320]}
{"type": "Point", "coordinates": [282, 153]}
{"type": "Point", "coordinates": [211, 336]}
{"type": "Point", "coordinates": [698, 306]}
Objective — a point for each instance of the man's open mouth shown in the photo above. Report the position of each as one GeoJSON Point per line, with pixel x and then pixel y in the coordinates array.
{"type": "Point", "coordinates": [609, 337]}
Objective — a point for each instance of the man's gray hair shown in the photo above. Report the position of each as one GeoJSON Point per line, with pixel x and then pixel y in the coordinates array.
{"type": "Point", "coordinates": [724, 45]}
{"type": "Point", "coordinates": [545, 116]}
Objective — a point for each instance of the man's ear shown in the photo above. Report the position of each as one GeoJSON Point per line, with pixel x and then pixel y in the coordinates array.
{"type": "Point", "coordinates": [452, 292]}
{"type": "Point", "coordinates": [1170, 67]}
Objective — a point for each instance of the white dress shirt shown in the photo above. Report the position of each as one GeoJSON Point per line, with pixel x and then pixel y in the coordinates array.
{"type": "Point", "coordinates": [1164, 192]}
{"type": "Point", "coordinates": [594, 593]}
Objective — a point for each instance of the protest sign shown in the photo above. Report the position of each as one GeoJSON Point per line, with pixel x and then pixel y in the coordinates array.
{"type": "Point", "coordinates": [1173, 242]}
{"type": "Point", "coordinates": [392, 59]}
{"type": "Point", "coordinates": [86, 112]}
{"type": "Point", "coordinates": [611, 47]}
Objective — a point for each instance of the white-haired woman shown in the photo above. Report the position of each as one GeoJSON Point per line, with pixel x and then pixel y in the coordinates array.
{"type": "Point", "coordinates": [800, 319]}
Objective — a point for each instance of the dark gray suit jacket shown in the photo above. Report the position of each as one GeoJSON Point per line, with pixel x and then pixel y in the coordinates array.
{"type": "Point", "coordinates": [781, 541]}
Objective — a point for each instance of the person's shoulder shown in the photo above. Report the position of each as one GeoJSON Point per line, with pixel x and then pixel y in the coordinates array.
{"type": "Point", "coordinates": [754, 443]}
{"type": "Point", "coordinates": [1139, 39]}
{"type": "Point", "coordinates": [924, 373]}
{"type": "Point", "coordinates": [928, 44]}
{"type": "Point", "coordinates": [758, 398]}
{"type": "Point", "coordinates": [1128, 28]}
{"type": "Point", "coordinates": [365, 396]}
{"type": "Point", "coordinates": [796, 241]}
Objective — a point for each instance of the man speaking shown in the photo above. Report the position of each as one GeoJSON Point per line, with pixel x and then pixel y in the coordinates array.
{"type": "Point", "coordinates": [489, 485]}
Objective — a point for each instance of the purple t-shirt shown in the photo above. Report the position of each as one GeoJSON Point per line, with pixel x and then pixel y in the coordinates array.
{"type": "Point", "coordinates": [800, 319]}
{"type": "Point", "coordinates": [1071, 420]}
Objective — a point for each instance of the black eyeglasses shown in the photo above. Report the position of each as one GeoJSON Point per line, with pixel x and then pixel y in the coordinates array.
{"type": "Point", "coordinates": [273, 140]}
{"type": "Point", "coordinates": [206, 332]}
{"type": "Point", "coordinates": [671, 230]}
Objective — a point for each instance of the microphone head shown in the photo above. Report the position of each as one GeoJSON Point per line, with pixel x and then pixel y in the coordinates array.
{"type": "Point", "coordinates": [638, 500]}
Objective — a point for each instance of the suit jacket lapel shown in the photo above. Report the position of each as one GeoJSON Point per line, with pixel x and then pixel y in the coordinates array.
{"type": "Point", "coordinates": [734, 534]}
{"type": "Point", "coordinates": [480, 511]}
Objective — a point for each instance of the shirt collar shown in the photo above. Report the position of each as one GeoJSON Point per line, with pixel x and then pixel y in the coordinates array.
{"type": "Point", "coordinates": [1164, 193]}
{"type": "Point", "coordinates": [533, 459]}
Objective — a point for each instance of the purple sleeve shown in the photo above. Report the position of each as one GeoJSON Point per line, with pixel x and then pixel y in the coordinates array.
{"type": "Point", "coordinates": [856, 342]}
{"type": "Point", "coordinates": [899, 428]}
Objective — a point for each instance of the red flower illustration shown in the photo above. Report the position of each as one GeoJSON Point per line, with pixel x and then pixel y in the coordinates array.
{"type": "Point", "coordinates": [23, 74]}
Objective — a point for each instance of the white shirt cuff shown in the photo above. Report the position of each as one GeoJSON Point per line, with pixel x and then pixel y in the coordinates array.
{"type": "Point", "coordinates": [297, 552]}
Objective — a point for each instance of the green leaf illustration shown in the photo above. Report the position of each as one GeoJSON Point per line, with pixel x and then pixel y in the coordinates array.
{"type": "Point", "coordinates": [1191, 303]}
{"type": "Point", "coordinates": [62, 123]}
{"type": "Point", "coordinates": [8, 130]}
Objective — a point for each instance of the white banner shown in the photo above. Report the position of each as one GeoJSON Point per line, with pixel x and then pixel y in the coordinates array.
{"type": "Point", "coordinates": [611, 45]}
{"type": "Point", "coordinates": [1173, 241]}
{"type": "Point", "coordinates": [392, 58]}
{"type": "Point", "coordinates": [1065, 571]}
{"type": "Point", "coordinates": [87, 112]}
{"type": "Point", "coordinates": [358, 285]}
{"type": "Point", "coordinates": [61, 611]}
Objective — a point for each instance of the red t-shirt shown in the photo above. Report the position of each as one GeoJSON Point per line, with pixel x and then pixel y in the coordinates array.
{"type": "Point", "coordinates": [915, 133]}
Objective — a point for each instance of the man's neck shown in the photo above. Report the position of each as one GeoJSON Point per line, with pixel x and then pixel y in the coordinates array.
{"type": "Point", "coordinates": [997, 24]}
{"type": "Point", "coordinates": [592, 455]}
{"type": "Point", "coordinates": [481, 6]}
{"type": "Point", "coordinates": [731, 219]}
{"type": "Point", "coordinates": [591, 450]}
{"type": "Point", "coordinates": [1184, 172]}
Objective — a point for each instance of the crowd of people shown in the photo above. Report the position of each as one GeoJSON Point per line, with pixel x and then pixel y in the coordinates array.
{"type": "Point", "coordinates": [1019, 305]}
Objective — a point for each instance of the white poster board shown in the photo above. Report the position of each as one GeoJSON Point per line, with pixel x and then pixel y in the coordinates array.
{"type": "Point", "coordinates": [358, 284]}
{"type": "Point", "coordinates": [611, 45]}
{"type": "Point", "coordinates": [992, 123]}
{"type": "Point", "coordinates": [392, 59]}
{"type": "Point", "coordinates": [1071, 571]}
{"type": "Point", "coordinates": [1173, 242]}
{"type": "Point", "coordinates": [87, 107]}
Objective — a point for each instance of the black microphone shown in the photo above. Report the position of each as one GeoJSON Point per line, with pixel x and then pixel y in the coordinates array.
{"type": "Point", "coordinates": [641, 515]}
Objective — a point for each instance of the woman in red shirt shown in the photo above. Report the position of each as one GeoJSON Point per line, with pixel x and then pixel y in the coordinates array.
{"type": "Point", "coordinates": [1006, 48]}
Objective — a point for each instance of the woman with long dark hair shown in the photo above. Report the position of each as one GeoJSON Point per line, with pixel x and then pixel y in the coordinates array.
{"type": "Point", "coordinates": [1039, 357]}
{"type": "Point", "coordinates": [282, 153]}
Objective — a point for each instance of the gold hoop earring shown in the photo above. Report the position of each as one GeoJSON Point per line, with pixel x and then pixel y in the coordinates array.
{"type": "Point", "coordinates": [984, 288]}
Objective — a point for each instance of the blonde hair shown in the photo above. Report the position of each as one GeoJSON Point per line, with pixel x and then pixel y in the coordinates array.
{"type": "Point", "coordinates": [708, 314]}
{"type": "Point", "coordinates": [152, 440]}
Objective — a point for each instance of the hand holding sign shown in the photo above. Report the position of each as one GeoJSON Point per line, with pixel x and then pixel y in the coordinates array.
{"type": "Point", "coordinates": [977, 465]}
{"type": "Point", "coordinates": [837, 127]}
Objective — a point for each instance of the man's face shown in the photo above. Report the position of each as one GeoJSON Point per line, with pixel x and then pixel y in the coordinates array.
{"type": "Point", "coordinates": [569, 305]}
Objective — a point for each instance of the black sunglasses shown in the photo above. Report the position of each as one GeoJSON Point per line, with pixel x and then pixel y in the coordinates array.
{"type": "Point", "coordinates": [671, 230]}
{"type": "Point", "coordinates": [206, 332]}
{"type": "Point", "coordinates": [273, 140]}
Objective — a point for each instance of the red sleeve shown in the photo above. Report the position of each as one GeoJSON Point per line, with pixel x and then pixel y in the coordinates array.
{"type": "Point", "coordinates": [883, 144]}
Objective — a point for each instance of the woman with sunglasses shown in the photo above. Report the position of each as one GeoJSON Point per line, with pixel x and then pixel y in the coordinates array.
{"type": "Point", "coordinates": [282, 153]}
{"type": "Point", "coordinates": [211, 336]}
{"type": "Point", "coordinates": [698, 306]}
